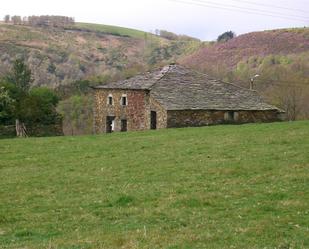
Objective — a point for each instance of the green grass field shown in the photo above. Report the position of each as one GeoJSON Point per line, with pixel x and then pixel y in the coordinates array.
{"type": "Point", "coordinates": [215, 187]}
{"type": "Point", "coordinates": [112, 29]}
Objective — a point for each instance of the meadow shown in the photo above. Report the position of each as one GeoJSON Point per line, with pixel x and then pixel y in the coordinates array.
{"type": "Point", "coordinates": [244, 186]}
{"type": "Point", "coordinates": [121, 31]}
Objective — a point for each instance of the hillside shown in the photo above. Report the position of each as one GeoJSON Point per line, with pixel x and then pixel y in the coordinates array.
{"type": "Point", "coordinates": [59, 56]}
{"type": "Point", "coordinates": [279, 57]}
{"type": "Point", "coordinates": [64, 58]}
{"type": "Point", "coordinates": [258, 44]}
{"type": "Point", "coordinates": [213, 187]}
{"type": "Point", "coordinates": [101, 52]}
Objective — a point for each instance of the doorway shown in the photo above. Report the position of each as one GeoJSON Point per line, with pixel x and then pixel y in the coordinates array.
{"type": "Point", "coordinates": [153, 120]}
{"type": "Point", "coordinates": [110, 124]}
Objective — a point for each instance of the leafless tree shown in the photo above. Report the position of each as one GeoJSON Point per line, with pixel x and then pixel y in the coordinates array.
{"type": "Point", "coordinates": [25, 20]}
{"type": "Point", "coordinates": [16, 20]}
{"type": "Point", "coordinates": [44, 20]}
{"type": "Point", "coordinates": [289, 99]}
{"type": "Point", "coordinates": [7, 18]}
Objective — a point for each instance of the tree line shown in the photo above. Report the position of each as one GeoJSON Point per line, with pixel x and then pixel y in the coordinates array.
{"type": "Point", "coordinates": [40, 21]}
{"type": "Point", "coordinates": [172, 36]}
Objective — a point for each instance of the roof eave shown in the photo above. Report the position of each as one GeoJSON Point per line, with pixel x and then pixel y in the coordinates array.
{"type": "Point", "coordinates": [223, 109]}
{"type": "Point", "coordinates": [121, 88]}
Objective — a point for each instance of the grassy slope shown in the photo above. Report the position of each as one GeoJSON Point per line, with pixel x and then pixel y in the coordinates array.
{"type": "Point", "coordinates": [213, 187]}
{"type": "Point", "coordinates": [112, 30]}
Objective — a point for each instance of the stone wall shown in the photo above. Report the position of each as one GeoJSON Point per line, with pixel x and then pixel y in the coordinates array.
{"type": "Point", "coordinates": [192, 118]}
{"type": "Point", "coordinates": [136, 111]}
{"type": "Point", "coordinates": [161, 113]}
{"type": "Point", "coordinates": [140, 103]}
{"type": "Point", "coordinates": [259, 116]}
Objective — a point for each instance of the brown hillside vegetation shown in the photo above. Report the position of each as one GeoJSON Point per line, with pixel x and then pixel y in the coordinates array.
{"type": "Point", "coordinates": [60, 56]}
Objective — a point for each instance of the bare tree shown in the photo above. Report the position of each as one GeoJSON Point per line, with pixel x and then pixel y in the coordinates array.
{"type": "Point", "coordinates": [45, 20]}
{"type": "Point", "coordinates": [292, 103]}
{"type": "Point", "coordinates": [7, 18]}
{"type": "Point", "coordinates": [289, 98]}
{"type": "Point", "coordinates": [25, 20]}
{"type": "Point", "coordinates": [16, 20]}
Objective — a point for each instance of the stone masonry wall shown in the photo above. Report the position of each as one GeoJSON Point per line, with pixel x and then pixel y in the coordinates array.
{"type": "Point", "coordinates": [135, 112]}
{"type": "Point", "coordinates": [259, 116]}
{"type": "Point", "coordinates": [203, 117]}
{"type": "Point", "coordinates": [161, 113]}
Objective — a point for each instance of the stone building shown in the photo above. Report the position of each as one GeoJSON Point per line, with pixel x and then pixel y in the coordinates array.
{"type": "Point", "coordinates": [176, 97]}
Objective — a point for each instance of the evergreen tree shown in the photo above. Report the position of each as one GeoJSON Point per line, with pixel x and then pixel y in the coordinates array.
{"type": "Point", "coordinates": [226, 36]}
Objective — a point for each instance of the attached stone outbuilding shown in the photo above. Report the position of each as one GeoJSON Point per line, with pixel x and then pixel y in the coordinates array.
{"type": "Point", "coordinates": [176, 97]}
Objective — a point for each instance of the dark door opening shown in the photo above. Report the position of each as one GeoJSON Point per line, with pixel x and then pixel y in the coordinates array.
{"type": "Point", "coordinates": [153, 120]}
{"type": "Point", "coordinates": [124, 125]}
{"type": "Point", "coordinates": [110, 124]}
{"type": "Point", "coordinates": [229, 116]}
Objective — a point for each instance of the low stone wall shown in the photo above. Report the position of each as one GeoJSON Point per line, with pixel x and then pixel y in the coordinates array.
{"type": "Point", "coordinates": [259, 116]}
{"type": "Point", "coordinates": [193, 118]}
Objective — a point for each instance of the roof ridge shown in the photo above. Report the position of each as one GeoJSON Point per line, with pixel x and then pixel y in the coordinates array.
{"type": "Point", "coordinates": [163, 72]}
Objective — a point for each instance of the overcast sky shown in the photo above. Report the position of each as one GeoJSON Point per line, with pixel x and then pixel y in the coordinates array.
{"type": "Point", "coordinates": [205, 19]}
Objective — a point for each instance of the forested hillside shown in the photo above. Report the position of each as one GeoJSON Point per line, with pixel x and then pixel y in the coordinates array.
{"type": "Point", "coordinates": [60, 56]}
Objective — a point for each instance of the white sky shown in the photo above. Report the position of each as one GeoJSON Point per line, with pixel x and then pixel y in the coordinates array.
{"type": "Point", "coordinates": [192, 19]}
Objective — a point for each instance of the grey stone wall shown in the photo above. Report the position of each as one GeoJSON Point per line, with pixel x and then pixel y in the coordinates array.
{"type": "Point", "coordinates": [192, 118]}
{"type": "Point", "coordinates": [161, 113]}
{"type": "Point", "coordinates": [141, 103]}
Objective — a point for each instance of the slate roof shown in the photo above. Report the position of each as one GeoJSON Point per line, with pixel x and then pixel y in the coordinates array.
{"type": "Point", "coordinates": [179, 88]}
{"type": "Point", "coordinates": [139, 82]}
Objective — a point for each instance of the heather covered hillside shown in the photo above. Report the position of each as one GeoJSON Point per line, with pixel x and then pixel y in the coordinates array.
{"type": "Point", "coordinates": [230, 53]}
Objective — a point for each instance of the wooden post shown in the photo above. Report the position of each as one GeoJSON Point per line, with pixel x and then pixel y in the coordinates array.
{"type": "Point", "coordinates": [20, 129]}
